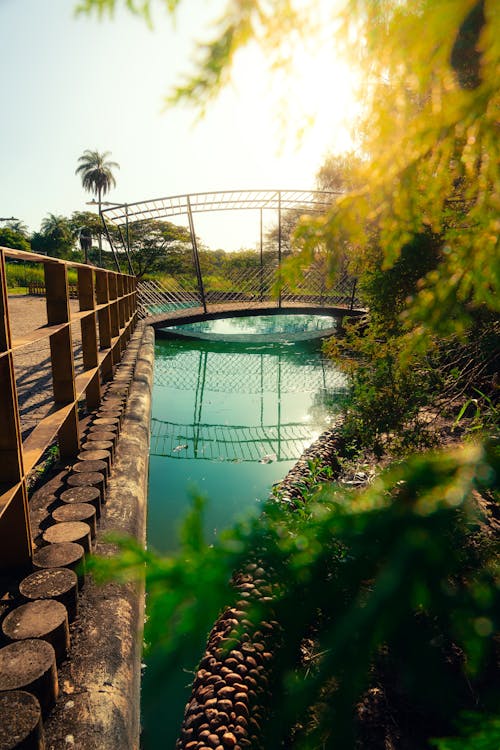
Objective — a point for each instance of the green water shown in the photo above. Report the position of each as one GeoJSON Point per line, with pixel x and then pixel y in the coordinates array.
{"type": "Point", "coordinates": [229, 420]}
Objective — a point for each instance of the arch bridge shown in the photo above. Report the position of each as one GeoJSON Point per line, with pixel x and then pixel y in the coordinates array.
{"type": "Point", "coordinates": [195, 295]}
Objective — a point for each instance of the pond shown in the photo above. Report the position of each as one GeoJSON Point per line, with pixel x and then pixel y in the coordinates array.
{"type": "Point", "coordinates": [229, 419]}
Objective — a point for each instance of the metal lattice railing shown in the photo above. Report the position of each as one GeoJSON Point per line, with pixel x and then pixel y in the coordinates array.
{"type": "Point", "coordinates": [256, 284]}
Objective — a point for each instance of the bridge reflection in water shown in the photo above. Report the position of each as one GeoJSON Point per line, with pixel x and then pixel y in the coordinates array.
{"type": "Point", "coordinates": [250, 375]}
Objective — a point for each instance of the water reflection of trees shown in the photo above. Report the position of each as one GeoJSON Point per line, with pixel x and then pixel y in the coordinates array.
{"type": "Point", "coordinates": [204, 368]}
{"type": "Point", "coordinates": [267, 324]}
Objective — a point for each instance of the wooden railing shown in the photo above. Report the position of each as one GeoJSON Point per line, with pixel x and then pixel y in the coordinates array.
{"type": "Point", "coordinates": [107, 315]}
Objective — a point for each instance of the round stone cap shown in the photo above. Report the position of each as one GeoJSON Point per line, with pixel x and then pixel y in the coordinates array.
{"type": "Point", "coordinates": [34, 619]}
{"type": "Point", "coordinates": [20, 715]}
{"type": "Point", "coordinates": [58, 555]}
{"type": "Point", "coordinates": [47, 584]}
{"type": "Point", "coordinates": [23, 662]}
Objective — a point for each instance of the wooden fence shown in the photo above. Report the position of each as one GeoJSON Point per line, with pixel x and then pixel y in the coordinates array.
{"type": "Point", "coordinates": [107, 315]}
{"type": "Point", "coordinates": [37, 289]}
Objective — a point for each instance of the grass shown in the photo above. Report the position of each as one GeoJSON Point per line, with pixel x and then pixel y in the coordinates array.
{"type": "Point", "coordinates": [16, 291]}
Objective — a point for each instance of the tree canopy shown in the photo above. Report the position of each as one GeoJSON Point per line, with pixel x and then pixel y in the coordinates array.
{"type": "Point", "coordinates": [157, 245]}
{"type": "Point", "coordinates": [96, 172]}
{"type": "Point", "coordinates": [55, 237]}
{"type": "Point", "coordinates": [12, 238]}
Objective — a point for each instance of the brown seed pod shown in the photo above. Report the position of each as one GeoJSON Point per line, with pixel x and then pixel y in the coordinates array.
{"type": "Point", "coordinates": [224, 705]}
{"type": "Point", "coordinates": [245, 586]}
{"type": "Point", "coordinates": [243, 697]}
{"type": "Point", "coordinates": [240, 686]}
{"type": "Point", "coordinates": [229, 740]}
{"type": "Point", "coordinates": [226, 691]}
{"type": "Point", "coordinates": [205, 692]}
{"type": "Point", "coordinates": [213, 740]}
{"type": "Point", "coordinates": [241, 708]}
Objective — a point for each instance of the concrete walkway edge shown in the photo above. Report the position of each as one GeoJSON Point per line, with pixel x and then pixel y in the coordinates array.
{"type": "Point", "coordinates": [100, 684]}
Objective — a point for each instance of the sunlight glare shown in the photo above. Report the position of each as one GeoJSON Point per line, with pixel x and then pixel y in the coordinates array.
{"type": "Point", "coordinates": [311, 90]}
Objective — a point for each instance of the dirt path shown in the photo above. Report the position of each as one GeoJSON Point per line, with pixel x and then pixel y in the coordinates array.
{"type": "Point", "coordinates": [32, 361]}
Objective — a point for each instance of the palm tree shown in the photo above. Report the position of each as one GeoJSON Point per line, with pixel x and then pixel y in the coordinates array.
{"type": "Point", "coordinates": [55, 237]}
{"type": "Point", "coordinates": [97, 177]}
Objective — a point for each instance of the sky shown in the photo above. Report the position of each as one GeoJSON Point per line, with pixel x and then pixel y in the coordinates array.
{"type": "Point", "coordinates": [74, 83]}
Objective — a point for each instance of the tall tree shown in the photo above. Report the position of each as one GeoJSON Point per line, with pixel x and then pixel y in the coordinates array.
{"type": "Point", "coordinates": [96, 172]}
{"type": "Point", "coordinates": [158, 245]}
{"type": "Point", "coordinates": [55, 237]}
{"type": "Point", "coordinates": [10, 237]}
{"type": "Point", "coordinates": [17, 226]}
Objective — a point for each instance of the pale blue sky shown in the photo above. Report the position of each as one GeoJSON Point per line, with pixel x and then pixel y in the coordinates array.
{"type": "Point", "coordinates": [69, 84]}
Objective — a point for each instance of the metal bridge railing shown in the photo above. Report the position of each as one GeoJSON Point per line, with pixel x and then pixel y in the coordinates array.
{"type": "Point", "coordinates": [255, 284]}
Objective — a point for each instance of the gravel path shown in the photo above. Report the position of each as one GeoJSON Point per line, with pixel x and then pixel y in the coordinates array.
{"type": "Point", "coordinates": [32, 361]}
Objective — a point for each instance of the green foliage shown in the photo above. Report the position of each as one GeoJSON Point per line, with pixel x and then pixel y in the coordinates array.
{"type": "Point", "coordinates": [404, 567]}
{"type": "Point", "coordinates": [477, 732]}
{"type": "Point", "coordinates": [55, 237]}
{"type": "Point", "coordinates": [159, 246]}
{"type": "Point", "coordinates": [22, 274]}
{"type": "Point", "coordinates": [13, 238]}
{"type": "Point", "coordinates": [486, 412]}
{"type": "Point", "coordinates": [96, 172]}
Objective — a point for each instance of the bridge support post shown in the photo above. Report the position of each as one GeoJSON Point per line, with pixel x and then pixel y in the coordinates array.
{"type": "Point", "coordinates": [279, 243]}
{"type": "Point", "coordinates": [196, 255]}
{"type": "Point", "coordinates": [261, 259]}
{"type": "Point", "coordinates": [353, 296]}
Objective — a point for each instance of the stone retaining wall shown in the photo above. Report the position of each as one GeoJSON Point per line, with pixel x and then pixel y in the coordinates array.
{"type": "Point", "coordinates": [232, 691]}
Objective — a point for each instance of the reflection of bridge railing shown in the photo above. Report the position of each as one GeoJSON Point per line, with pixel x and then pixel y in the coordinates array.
{"type": "Point", "coordinates": [246, 373]}
{"type": "Point", "coordinates": [263, 443]}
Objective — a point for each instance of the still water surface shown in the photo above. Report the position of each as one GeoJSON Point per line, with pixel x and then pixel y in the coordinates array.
{"type": "Point", "coordinates": [229, 420]}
